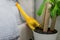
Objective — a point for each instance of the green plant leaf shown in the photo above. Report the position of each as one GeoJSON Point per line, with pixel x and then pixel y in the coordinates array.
{"type": "Point", "coordinates": [39, 12]}
{"type": "Point", "coordinates": [58, 4]}
{"type": "Point", "coordinates": [58, 11]}
{"type": "Point", "coordinates": [51, 1]}
{"type": "Point", "coordinates": [53, 12]}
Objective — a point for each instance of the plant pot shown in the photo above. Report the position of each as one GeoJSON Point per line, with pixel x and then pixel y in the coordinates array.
{"type": "Point", "coordinates": [45, 36]}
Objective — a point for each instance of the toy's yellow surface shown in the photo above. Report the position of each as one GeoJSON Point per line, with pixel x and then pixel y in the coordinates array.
{"type": "Point", "coordinates": [32, 23]}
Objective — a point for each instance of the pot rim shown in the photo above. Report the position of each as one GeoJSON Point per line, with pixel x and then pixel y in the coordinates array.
{"type": "Point", "coordinates": [46, 33]}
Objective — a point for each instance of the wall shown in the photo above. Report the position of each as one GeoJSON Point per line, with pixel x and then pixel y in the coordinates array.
{"type": "Point", "coordinates": [28, 6]}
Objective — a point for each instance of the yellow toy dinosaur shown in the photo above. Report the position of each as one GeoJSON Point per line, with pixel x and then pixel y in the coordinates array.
{"type": "Point", "coordinates": [32, 23]}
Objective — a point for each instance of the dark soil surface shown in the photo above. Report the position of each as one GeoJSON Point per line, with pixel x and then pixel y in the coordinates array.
{"type": "Point", "coordinates": [38, 30]}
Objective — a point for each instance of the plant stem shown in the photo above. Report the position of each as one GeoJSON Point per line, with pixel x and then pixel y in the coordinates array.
{"type": "Point", "coordinates": [43, 18]}
{"type": "Point", "coordinates": [53, 22]}
{"type": "Point", "coordinates": [47, 16]}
